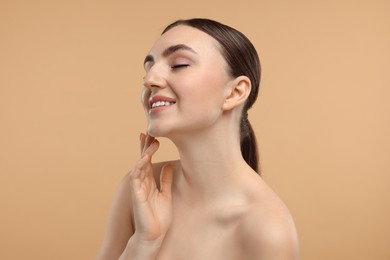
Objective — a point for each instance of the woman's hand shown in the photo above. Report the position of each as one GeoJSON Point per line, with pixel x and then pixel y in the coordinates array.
{"type": "Point", "coordinates": [152, 207]}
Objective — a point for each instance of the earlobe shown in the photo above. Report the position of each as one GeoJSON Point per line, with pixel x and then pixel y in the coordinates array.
{"type": "Point", "coordinates": [239, 91]}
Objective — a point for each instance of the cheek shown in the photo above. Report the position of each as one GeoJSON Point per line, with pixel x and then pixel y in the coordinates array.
{"type": "Point", "coordinates": [202, 89]}
{"type": "Point", "coordinates": [213, 89]}
{"type": "Point", "coordinates": [205, 83]}
{"type": "Point", "coordinates": [203, 99]}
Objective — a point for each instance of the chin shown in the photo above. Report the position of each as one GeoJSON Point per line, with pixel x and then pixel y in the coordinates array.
{"type": "Point", "coordinates": [156, 132]}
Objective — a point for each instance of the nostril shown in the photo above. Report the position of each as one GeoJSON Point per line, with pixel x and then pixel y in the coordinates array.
{"type": "Point", "coordinates": [154, 78]}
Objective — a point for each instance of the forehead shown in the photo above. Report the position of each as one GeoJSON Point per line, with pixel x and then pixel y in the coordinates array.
{"type": "Point", "coordinates": [200, 41]}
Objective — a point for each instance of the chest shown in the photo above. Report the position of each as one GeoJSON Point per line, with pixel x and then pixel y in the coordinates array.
{"type": "Point", "coordinates": [200, 237]}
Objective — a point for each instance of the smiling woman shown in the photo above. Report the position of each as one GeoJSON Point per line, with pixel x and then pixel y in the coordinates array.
{"type": "Point", "coordinates": [201, 79]}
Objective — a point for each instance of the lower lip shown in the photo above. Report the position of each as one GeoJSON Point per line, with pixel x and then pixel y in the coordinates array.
{"type": "Point", "coordinates": [158, 109]}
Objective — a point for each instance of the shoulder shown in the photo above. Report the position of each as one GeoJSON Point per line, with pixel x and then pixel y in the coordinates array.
{"type": "Point", "coordinates": [268, 231]}
{"type": "Point", "coordinates": [120, 226]}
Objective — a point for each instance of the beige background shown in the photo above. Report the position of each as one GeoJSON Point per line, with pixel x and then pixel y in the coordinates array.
{"type": "Point", "coordinates": [70, 117]}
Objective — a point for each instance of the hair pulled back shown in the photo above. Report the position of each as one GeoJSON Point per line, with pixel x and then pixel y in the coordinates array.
{"type": "Point", "coordinates": [243, 60]}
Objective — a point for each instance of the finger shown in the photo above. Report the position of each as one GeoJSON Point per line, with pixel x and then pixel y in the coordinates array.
{"type": "Point", "coordinates": [140, 168]}
{"type": "Point", "coordinates": [153, 147]}
{"type": "Point", "coordinates": [142, 143]}
{"type": "Point", "coordinates": [148, 141]}
{"type": "Point", "coordinates": [166, 180]}
{"type": "Point", "coordinates": [145, 161]}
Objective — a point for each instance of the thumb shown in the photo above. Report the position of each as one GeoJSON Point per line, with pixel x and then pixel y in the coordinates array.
{"type": "Point", "coordinates": [166, 179]}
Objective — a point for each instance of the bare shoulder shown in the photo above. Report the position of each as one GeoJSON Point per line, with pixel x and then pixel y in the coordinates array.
{"type": "Point", "coordinates": [120, 226]}
{"type": "Point", "coordinates": [268, 231]}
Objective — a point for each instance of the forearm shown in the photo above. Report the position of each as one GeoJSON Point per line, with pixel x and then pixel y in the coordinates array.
{"type": "Point", "coordinates": [141, 250]}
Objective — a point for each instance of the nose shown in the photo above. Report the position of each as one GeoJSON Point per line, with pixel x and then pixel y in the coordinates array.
{"type": "Point", "coordinates": [153, 81]}
{"type": "Point", "coordinates": [154, 78]}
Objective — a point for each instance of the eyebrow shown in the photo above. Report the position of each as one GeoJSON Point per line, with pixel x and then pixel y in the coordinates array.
{"type": "Point", "coordinates": [169, 51]}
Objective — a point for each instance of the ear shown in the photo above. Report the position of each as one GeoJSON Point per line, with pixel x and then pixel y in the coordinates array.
{"type": "Point", "coordinates": [238, 92]}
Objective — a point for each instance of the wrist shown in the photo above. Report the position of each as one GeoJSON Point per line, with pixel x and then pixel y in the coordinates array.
{"type": "Point", "coordinates": [135, 239]}
{"type": "Point", "coordinates": [138, 248]}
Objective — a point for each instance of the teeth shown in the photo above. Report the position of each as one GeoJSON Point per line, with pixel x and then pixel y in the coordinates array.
{"type": "Point", "coordinates": [160, 104]}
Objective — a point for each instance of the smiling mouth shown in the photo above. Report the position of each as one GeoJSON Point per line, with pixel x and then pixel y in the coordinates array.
{"type": "Point", "coordinates": [158, 102]}
{"type": "Point", "coordinates": [161, 104]}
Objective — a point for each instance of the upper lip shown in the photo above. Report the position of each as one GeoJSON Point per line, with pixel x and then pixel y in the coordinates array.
{"type": "Point", "coordinates": [156, 98]}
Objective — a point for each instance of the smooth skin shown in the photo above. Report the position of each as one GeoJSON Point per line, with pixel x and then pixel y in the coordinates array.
{"type": "Point", "coordinates": [209, 204]}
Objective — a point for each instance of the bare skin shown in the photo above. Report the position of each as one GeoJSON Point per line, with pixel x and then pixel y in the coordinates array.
{"type": "Point", "coordinates": [209, 204]}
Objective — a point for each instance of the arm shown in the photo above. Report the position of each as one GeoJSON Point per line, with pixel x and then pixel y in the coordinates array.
{"type": "Point", "coordinates": [120, 225]}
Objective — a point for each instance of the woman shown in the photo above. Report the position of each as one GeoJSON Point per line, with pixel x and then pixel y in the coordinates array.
{"type": "Point", "coordinates": [201, 79]}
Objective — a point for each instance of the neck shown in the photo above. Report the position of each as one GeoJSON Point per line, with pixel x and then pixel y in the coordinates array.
{"type": "Point", "coordinates": [211, 163]}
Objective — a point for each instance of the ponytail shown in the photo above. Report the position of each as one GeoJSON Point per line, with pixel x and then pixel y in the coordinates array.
{"type": "Point", "coordinates": [249, 149]}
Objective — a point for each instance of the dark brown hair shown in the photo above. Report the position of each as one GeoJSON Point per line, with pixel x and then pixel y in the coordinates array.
{"type": "Point", "coordinates": [243, 60]}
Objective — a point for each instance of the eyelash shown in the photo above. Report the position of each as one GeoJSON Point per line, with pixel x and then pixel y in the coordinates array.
{"type": "Point", "coordinates": [178, 66]}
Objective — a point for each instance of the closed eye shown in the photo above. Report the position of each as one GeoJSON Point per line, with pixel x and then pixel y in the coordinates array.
{"type": "Point", "coordinates": [177, 66]}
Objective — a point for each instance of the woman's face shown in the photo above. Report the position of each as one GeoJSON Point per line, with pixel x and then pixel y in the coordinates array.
{"type": "Point", "coordinates": [185, 83]}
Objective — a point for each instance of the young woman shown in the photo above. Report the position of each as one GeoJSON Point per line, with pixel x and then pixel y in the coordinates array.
{"type": "Point", "coordinates": [201, 79]}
